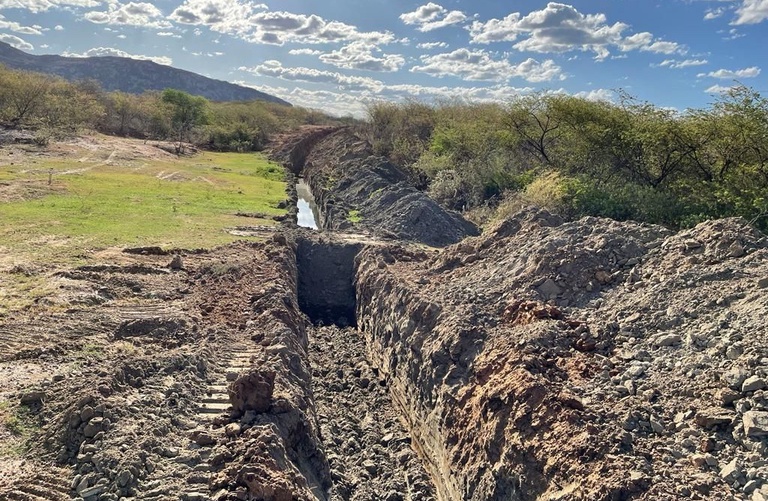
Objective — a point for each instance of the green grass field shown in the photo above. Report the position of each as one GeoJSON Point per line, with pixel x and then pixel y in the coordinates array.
{"type": "Point", "coordinates": [172, 203]}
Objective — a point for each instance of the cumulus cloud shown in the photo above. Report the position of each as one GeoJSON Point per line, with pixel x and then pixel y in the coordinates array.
{"type": "Point", "coordinates": [363, 56]}
{"type": "Point", "coordinates": [752, 12]}
{"type": "Point", "coordinates": [18, 28]}
{"type": "Point", "coordinates": [686, 63]}
{"type": "Point", "coordinates": [432, 17]}
{"type": "Point", "coordinates": [718, 89]}
{"type": "Point", "coordinates": [250, 22]}
{"type": "Point", "coordinates": [432, 45]}
{"type": "Point", "coordinates": [562, 28]}
{"type": "Point", "coordinates": [110, 51]}
{"type": "Point", "coordinates": [276, 70]}
{"type": "Point", "coordinates": [597, 95]}
{"type": "Point", "coordinates": [37, 6]}
{"type": "Point", "coordinates": [479, 65]}
{"type": "Point", "coordinates": [132, 14]}
{"type": "Point", "coordinates": [723, 74]}
{"type": "Point", "coordinates": [16, 42]}
{"type": "Point", "coordinates": [305, 52]}
{"type": "Point", "coordinates": [714, 13]}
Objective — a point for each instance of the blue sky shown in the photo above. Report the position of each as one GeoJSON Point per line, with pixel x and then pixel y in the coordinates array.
{"type": "Point", "coordinates": [339, 55]}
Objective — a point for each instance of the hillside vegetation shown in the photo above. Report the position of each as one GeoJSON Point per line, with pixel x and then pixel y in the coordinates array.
{"type": "Point", "coordinates": [52, 108]}
{"type": "Point", "coordinates": [625, 160]}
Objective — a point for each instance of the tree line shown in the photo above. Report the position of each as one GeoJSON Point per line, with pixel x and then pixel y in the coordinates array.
{"type": "Point", "coordinates": [53, 108]}
{"type": "Point", "coordinates": [625, 160]}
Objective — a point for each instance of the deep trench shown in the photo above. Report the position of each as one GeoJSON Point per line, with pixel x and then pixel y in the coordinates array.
{"type": "Point", "coordinates": [367, 444]}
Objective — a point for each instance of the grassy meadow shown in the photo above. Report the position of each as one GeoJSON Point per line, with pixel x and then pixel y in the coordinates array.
{"type": "Point", "coordinates": [173, 203]}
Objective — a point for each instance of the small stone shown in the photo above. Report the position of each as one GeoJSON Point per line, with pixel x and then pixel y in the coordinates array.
{"type": "Point", "coordinates": [751, 486]}
{"type": "Point", "coordinates": [756, 423]}
{"type": "Point", "coordinates": [93, 491]}
{"type": "Point", "coordinates": [730, 472]}
{"type": "Point", "coordinates": [657, 427]}
{"type": "Point", "coordinates": [94, 426]}
{"type": "Point", "coordinates": [753, 383]}
{"type": "Point", "coordinates": [736, 249]}
{"type": "Point", "coordinates": [709, 418]}
{"type": "Point", "coordinates": [203, 438]}
{"type": "Point", "coordinates": [727, 396]}
{"type": "Point", "coordinates": [232, 430]}
{"type": "Point", "coordinates": [124, 478]}
{"type": "Point", "coordinates": [370, 466]}
{"type": "Point", "coordinates": [735, 378]}
{"type": "Point", "coordinates": [668, 340]}
{"type": "Point", "coordinates": [549, 288]}
{"type": "Point", "coordinates": [603, 276]}
{"type": "Point", "coordinates": [763, 283]}
{"type": "Point", "coordinates": [176, 263]}
{"type": "Point", "coordinates": [698, 460]}
{"type": "Point", "coordinates": [87, 413]}
{"type": "Point", "coordinates": [34, 397]}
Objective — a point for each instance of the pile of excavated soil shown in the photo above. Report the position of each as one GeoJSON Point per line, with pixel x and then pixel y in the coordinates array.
{"type": "Point", "coordinates": [358, 191]}
{"type": "Point", "coordinates": [582, 360]}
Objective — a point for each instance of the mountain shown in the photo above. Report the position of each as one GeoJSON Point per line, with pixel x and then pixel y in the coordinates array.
{"type": "Point", "coordinates": [130, 75]}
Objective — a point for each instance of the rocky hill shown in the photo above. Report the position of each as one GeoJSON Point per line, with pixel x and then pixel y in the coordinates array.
{"type": "Point", "coordinates": [130, 75]}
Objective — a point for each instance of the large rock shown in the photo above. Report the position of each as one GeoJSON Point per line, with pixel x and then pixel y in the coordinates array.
{"type": "Point", "coordinates": [756, 423]}
{"type": "Point", "coordinates": [252, 391]}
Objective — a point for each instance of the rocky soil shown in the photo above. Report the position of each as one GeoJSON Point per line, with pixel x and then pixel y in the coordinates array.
{"type": "Point", "coordinates": [582, 360]}
{"type": "Point", "coordinates": [543, 359]}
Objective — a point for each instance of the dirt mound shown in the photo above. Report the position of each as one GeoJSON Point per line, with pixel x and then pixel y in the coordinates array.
{"type": "Point", "coordinates": [356, 190]}
{"type": "Point", "coordinates": [583, 360]}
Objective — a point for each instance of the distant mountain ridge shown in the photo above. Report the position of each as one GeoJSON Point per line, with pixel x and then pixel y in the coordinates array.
{"type": "Point", "coordinates": [131, 75]}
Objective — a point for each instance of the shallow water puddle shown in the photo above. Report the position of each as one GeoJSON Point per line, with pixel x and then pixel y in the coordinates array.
{"type": "Point", "coordinates": [308, 212]}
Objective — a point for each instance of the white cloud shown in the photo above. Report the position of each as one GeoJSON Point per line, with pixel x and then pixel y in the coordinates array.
{"type": "Point", "coordinates": [479, 65]}
{"type": "Point", "coordinates": [750, 72]}
{"type": "Point", "coordinates": [432, 45]}
{"type": "Point", "coordinates": [752, 12]}
{"type": "Point", "coordinates": [18, 28]}
{"type": "Point", "coordinates": [250, 22]}
{"type": "Point", "coordinates": [168, 34]}
{"type": "Point", "coordinates": [305, 52]}
{"type": "Point", "coordinates": [132, 14]}
{"type": "Point", "coordinates": [110, 51]}
{"type": "Point", "coordinates": [16, 42]}
{"type": "Point", "coordinates": [597, 95]}
{"type": "Point", "coordinates": [562, 28]}
{"type": "Point", "coordinates": [360, 56]}
{"type": "Point", "coordinates": [37, 6]}
{"type": "Point", "coordinates": [714, 13]}
{"type": "Point", "coordinates": [432, 17]}
{"type": "Point", "coordinates": [276, 70]}
{"type": "Point", "coordinates": [58, 27]}
{"type": "Point", "coordinates": [676, 64]}
{"type": "Point", "coordinates": [718, 89]}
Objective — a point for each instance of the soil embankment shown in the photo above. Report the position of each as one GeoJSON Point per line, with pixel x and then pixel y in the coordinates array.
{"type": "Point", "coordinates": [358, 191]}
{"type": "Point", "coordinates": [583, 360]}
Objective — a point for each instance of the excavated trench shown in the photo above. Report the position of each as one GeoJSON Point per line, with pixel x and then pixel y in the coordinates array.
{"type": "Point", "coordinates": [368, 446]}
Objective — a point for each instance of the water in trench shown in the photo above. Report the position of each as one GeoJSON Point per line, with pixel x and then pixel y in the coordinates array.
{"type": "Point", "coordinates": [308, 215]}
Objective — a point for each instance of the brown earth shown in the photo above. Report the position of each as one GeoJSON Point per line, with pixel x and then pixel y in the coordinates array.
{"type": "Point", "coordinates": [543, 359]}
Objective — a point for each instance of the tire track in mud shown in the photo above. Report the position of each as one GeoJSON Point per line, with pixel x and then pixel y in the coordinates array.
{"type": "Point", "coordinates": [367, 446]}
